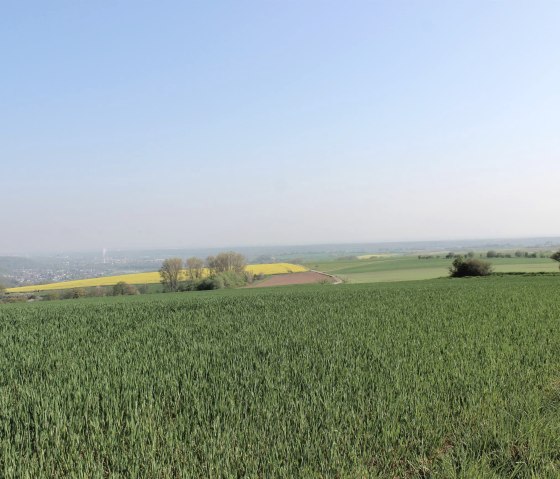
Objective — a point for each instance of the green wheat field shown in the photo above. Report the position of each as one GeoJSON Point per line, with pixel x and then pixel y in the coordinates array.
{"type": "Point", "coordinates": [441, 378]}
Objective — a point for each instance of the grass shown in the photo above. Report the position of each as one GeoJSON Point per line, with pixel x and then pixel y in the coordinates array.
{"type": "Point", "coordinates": [409, 268]}
{"type": "Point", "coordinates": [443, 378]}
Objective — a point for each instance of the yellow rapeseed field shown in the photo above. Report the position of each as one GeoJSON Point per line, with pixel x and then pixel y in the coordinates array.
{"type": "Point", "coordinates": [149, 278]}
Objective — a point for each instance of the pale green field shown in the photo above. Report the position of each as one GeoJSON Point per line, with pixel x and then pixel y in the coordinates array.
{"type": "Point", "coordinates": [410, 268]}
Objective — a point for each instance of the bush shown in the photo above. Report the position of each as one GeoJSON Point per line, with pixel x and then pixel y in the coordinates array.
{"type": "Point", "coordinates": [207, 284]}
{"type": "Point", "coordinates": [124, 289]}
{"type": "Point", "coordinates": [74, 293]}
{"type": "Point", "coordinates": [97, 292]}
{"type": "Point", "coordinates": [469, 267]}
{"type": "Point", "coordinates": [232, 279]}
{"type": "Point", "coordinates": [52, 296]}
{"type": "Point", "coordinates": [228, 279]}
{"type": "Point", "coordinates": [190, 285]}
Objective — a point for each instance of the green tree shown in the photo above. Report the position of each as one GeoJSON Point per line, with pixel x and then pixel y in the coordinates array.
{"type": "Point", "coordinates": [171, 271]}
{"type": "Point", "coordinates": [195, 267]}
{"type": "Point", "coordinates": [227, 262]}
{"type": "Point", "coordinates": [124, 289]}
{"type": "Point", "coordinates": [556, 257]}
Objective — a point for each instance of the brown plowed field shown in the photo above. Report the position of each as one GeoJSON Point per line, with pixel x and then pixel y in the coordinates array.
{"type": "Point", "coordinates": [293, 278]}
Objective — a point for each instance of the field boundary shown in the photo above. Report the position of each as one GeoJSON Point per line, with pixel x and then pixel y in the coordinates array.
{"type": "Point", "coordinates": [337, 280]}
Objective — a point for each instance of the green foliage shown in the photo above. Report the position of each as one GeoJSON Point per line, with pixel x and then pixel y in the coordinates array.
{"type": "Point", "coordinates": [437, 379]}
{"type": "Point", "coordinates": [233, 279]}
{"type": "Point", "coordinates": [123, 289]}
{"type": "Point", "coordinates": [556, 256]}
{"type": "Point", "coordinates": [52, 296]}
{"type": "Point", "coordinates": [230, 279]}
{"type": "Point", "coordinates": [214, 282]}
{"type": "Point", "coordinates": [227, 262]}
{"type": "Point", "coordinates": [74, 293]}
{"type": "Point", "coordinates": [469, 267]}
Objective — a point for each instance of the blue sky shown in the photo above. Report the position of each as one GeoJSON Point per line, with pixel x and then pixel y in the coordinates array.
{"type": "Point", "coordinates": [181, 124]}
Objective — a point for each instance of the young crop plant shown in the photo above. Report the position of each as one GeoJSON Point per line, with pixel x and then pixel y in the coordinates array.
{"type": "Point", "coordinates": [437, 379]}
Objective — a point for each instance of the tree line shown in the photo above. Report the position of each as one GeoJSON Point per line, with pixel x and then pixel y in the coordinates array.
{"type": "Point", "coordinates": [221, 271]}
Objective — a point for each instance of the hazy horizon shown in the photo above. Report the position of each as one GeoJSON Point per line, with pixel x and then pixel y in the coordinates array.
{"type": "Point", "coordinates": [367, 246]}
{"type": "Point", "coordinates": [195, 125]}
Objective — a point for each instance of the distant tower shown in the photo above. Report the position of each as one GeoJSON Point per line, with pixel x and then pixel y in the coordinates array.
{"type": "Point", "coordinates": [104, 255]}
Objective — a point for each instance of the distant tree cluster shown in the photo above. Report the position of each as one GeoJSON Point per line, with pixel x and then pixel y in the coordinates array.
{"type": "Point", "coordinates": [462, 267]}
{"type": "Point", "coordinates": [517, 254]}
{"type": "Point", "coordinates": [226, 263]}
{"type": "Point", "coordinates": [225, 270]}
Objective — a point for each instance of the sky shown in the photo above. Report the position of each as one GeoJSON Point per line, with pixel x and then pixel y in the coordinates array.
{"type": "Point", "coordinates": [144, 124]}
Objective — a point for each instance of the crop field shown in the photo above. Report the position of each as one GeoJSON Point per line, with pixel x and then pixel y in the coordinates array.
{"type": "Point", "coordinates": [149, 278]}
{"type": "Point", "coordinates": [373, 269]}
{"type": "Point", "coordinates": [442, 378]}
{"type": "Point", "coordinates": [308, 277]}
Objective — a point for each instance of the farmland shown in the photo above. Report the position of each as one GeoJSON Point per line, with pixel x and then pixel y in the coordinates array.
{"type": "Point", "coordinates": [442, 378]}
{"type": "Point", "coordinates": [149, 278]}
{"type": "Point", "coordinates": [307, 277]}
{"type": "Point", "coordinates": [409, 268]}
